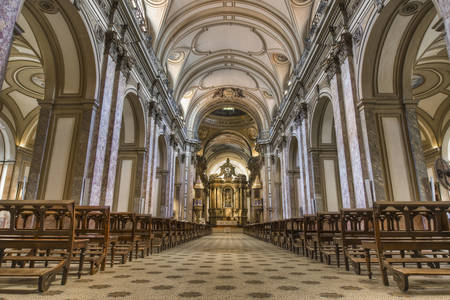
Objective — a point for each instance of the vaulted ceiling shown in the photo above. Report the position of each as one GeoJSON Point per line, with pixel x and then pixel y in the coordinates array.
{"type": "Point", "coordinates": [246, 44]}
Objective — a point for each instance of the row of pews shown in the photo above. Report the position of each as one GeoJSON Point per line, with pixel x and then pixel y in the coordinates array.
{"type": "Point", "coordinates": [402, 238]}
{"type": "Point", "coordinates": [41, 239]}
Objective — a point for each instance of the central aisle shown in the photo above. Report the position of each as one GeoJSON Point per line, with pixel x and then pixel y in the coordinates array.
{"type": "Point", "coordinates": [228, 266]}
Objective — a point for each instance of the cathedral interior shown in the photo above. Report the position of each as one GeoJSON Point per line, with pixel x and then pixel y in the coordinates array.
{"type": "Point", "coordinates": [225, 149]}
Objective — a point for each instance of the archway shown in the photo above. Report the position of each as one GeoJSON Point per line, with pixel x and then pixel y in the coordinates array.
{"type": "Point", "coordinates": [278, 191]}
{"type": "Point", "coordinates": [159, 194]}
{"type": "Point", "coordinates": [177, 203]}
{"type": "Point", "coordinates": [128, 194]}
{"type": "Point", "coordinates": [407, 85]}
{"type": "Point", "coordinates": [294, 177]}
{"type": "Point", "coordinates": [51, 62]}
{"type": "Point", "coordinates": [324, 158]}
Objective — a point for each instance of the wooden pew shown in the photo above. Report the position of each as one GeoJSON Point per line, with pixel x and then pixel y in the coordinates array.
{"type": "Point", "coordinates": [143, 233]}
{"type": "Point", "coordinates": [309, 229]}
{"type": "Point", "coordinates": [40, 225]}
{"type": "Point", "coordinates": [92, 223]}
{"type": "Point", "coordinates": [123, 226]}
{"type": "Point", "coordinates": [328, 226]}
{"type": "Point", "coordinates": [297, 233]}
{"type": "Point", "coordinates": [157, 235]}
{"type": "Point", "coordinates": [420, 231]}
{"type": "Point", "coordinates": [356, 227]}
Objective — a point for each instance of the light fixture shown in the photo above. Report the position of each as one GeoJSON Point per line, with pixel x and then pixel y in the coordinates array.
{"type": "Point", "coordinates": [228, 108]}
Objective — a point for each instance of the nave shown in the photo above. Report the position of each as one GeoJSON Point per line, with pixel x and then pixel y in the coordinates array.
{"type": "Point", "coordinates": [229, 266]}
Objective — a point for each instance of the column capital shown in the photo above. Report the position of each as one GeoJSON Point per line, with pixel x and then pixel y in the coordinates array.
{"type": "Point", "coordinates": [113, 45]}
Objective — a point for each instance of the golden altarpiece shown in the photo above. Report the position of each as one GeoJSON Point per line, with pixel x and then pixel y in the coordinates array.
{"type": "Point", "coordinates": [227, 197]}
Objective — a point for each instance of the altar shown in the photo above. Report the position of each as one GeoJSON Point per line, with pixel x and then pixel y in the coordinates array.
{"type": "Point", "coordinates": [226, 223]}
{"type": "Point", "coordinates": [227, 197]}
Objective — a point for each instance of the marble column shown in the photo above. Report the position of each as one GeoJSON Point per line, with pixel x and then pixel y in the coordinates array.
{"type": "Point", "coordinates": [154, 167]}
{"type": "Point", "coordinates": [213, 197]}
{"type": "Point", "coordinates": [373, 151]}
{"type": "Point", "coordinates": [345, 168]}
{"type": "Point", "coordinates": [114, 126]}
{"type": "Point", "coordinates": [139, 181]}
{"type": "Point", "coordinates": [302, 197]}
{"type": "Point", "coordinates": [186, 179]}
{"type": "Point", "coordinates": [219, 197]}
{"type": "Point", "coordinates": [82, 151]}
{"type": "Point", "coordinates": [269, 201]}
{"type": "Point", "coordinates": [415, 142]}
{"type": "Point", "coordinates": [39, 150]}
{"type": "Point", "coordinates": [171, 187]}
{"type": "Point", "coordinates": [352, 119]}
{"type": "Point", "coordinates": [101, 123]}
{"type": "Point", "coordinates": [149, 162]}
{"type": "Point", "coordinates": [285, 192]}
{"type": "Point", "coordinates": [9, 12]}
{"type": "Point", "coordinates": [309, 197]}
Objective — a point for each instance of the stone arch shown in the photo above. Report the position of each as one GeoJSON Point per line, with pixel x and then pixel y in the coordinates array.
{"type": "Point", "coordinates": [400, 35]}
{"type": "Point", "coordinates": [278, 190]}
{"type": "Point", "coordinates": [204, 105]}
{"type": "Point", "coordinates": [131, 156]}
{"type": "Point", "coordinates": [294, 176]}
{"type": "Point", "coordinates": [160, 199]}
{"type": "Point", "coordinates": [61, 33]}
{"type": "Point", "coordinates": [177, 200]}
{"type": "Point", "coordinates": [324, 157]}
{"type": "Point", "coordinates": [66, 54]}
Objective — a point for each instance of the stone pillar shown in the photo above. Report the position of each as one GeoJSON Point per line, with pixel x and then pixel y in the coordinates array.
{"type": "Point", "coordinates": [149, 161]}
{"type": "Point", "coordinates": [219, 197]}
{"type": "Point", "coordinates": [101, 124]}
{"type": "Point", "coordinates": [302, 196]}
{"type": "Point", "coordinates": [415, 142]}
{"type": "Point", "coordinates": [352, 119]}
{"type": "Point", "coordinates": [304, 130]}
{"type": "Point", "coordinates": [187, 186]}
{"type": "Point", "coordinates": [83, 150]}
{"type": "Point", "coordinates": [373, 150]}
{"type": "Point", "coordinates": [40, 147]}
{"type": "Point", "coordinates": [171, 178]}
{"type": "Point", "coordinates": [139, 181]}
{"type": "Point", "coordinates": [345, 169]}
{"type": "Point", "coordinates": [115, 124]}
{"type": "Point", "coordinates": [269, 206]}
{"type": "Point", "coordinates": [9, 12]}
{"type": "Point", "coordinates": [285, 192]}
{"type": "Point", "coordinates": [213, 196]}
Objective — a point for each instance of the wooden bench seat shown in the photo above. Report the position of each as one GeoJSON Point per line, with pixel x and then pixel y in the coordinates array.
{"type": "Point", "coordinates": [401, 275]}
{"type": "Point", "coordinates": [414, 228]}
{"type": "Point", "coordinates": [39, 225]}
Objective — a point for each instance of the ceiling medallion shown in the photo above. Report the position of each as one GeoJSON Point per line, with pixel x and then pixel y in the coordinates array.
{"type": "Point", "coordinates": [228, 93]}
{"type": "Point", "coordinates": [417, 80]}
{"type": "Point", "coordinates": [189, 93]}
{"type": "Point", "coordinates": [410, 8]}
{"type": "Point", "coordinates": [280, 58]}
{"type": "Point", "coordinates": [176, 57]}
{"type": "Point", "coordinates": [267, 94]}
{"type": "Point", "coordinates": [38, 79]}
{"type": "Point", "coordinates": [48, 6]}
